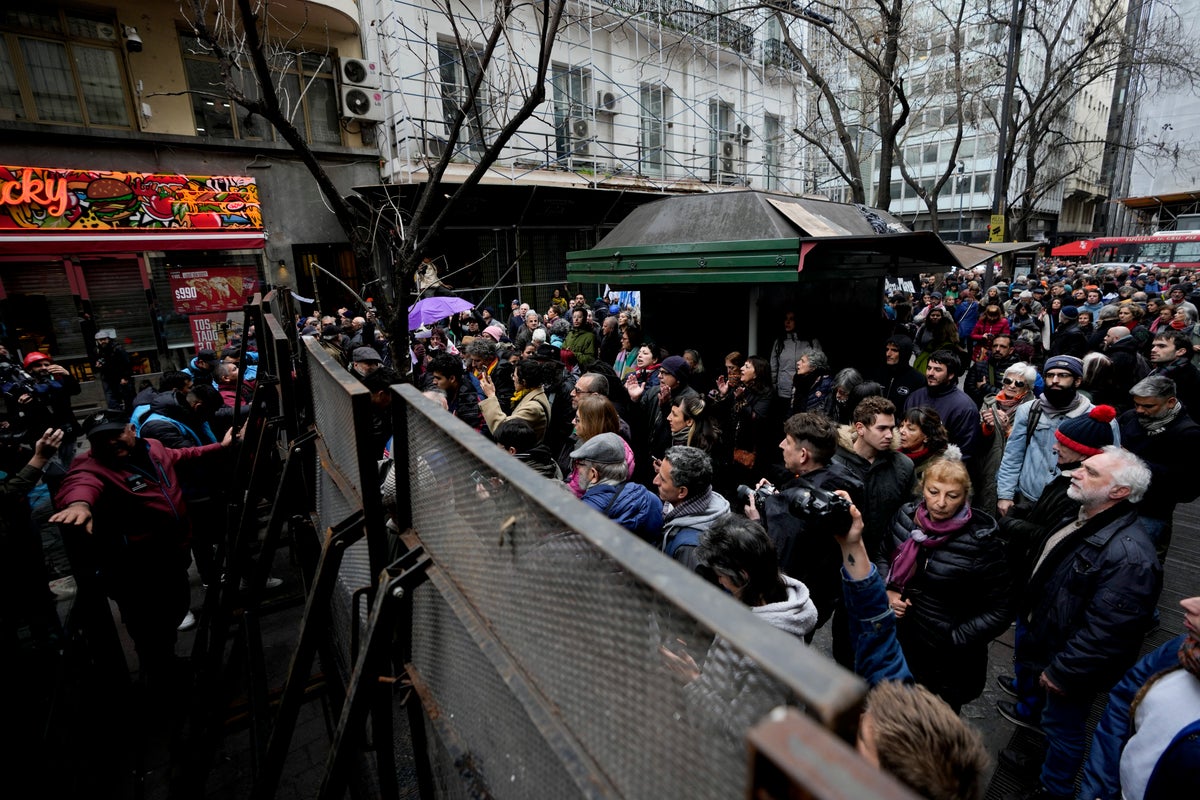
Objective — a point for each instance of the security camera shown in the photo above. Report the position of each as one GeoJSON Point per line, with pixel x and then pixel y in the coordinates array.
{"type": "Point", "coordinates": [133, 42]}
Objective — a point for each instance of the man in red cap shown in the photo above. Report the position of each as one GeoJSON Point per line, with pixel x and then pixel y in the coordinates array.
{"type": "Point", "coordinates": [45, 402]}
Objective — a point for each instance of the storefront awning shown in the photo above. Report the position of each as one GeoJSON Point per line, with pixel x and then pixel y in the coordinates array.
{"type": "Point", "coordinates": [39, 243]}
{"type": "Point", "coordinates": [1077, 249]}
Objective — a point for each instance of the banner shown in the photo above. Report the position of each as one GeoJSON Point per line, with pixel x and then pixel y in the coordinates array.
{"type": "Point", "coordinates": [199, 291]}
{"type": "Point", "coordinates": [67, 201]}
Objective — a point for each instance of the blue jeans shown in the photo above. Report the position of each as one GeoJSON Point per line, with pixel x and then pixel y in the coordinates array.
{"type": "Point", "coordinates": [1030, 695]}
{"type": "Point", "coordinates": [1063, 720]}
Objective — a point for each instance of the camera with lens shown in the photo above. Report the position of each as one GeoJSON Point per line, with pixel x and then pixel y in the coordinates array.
{"type": "Point", "coordinates": [758, 497]}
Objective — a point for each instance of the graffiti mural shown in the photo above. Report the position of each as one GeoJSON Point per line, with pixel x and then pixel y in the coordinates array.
{"type": "Point", "coordinates": [63, 199]}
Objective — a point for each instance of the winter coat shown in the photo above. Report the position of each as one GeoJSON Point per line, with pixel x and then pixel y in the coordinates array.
{"type": "Point", "coordinates": [681, 534]}
{"type": "Point", "coordinates": [982, 335]}
{"type": "Point", "coordinates": [1028, 468]}
{"type": "Point", "coordinates": [887, 482]}
{"type": "Point", "coordinates": [1104, 768]}
{"type": "Point", "coordinates": [533, 407]}
{"type": "Point", "coordinates": [1068, 341]}
{"type": "Point", "coordinates": [1091, 601]}
{"type": "Point", "coordinates": [751, 427]}
{"type": "Point", "coordinates": [959, 414]}
{"type": "Point", "coordinates": [990, 372]}
{"type": "Point", "coordinates": [1129, 367]}
{"type": "Point", "coordinates": [1170, 456]}
{"type": "Point", "coordinates": [465, 406]}
{"type": "Point", "coordinates": [581, 342]}
{"type": "Point", "coordinates": [631, 505]}
{"type": "Point", "coordinates": [732, 692]}
{"type": "Point", "coordinates": [900, 381]}
{"type": "Point", "coordinates": [966, 315]}
{"type": "Point", "coordinates": [172, 424]}
{"type": "Point", "coordinates": [784, 355]}
{"type": "Point", "coordinates": [813, 393]}
{"type": "Point", "coordinates": [992, 447]}
{"type": "Point", "coordinates": [136, 504]}
{"type": "Point", "coordinates": [542, 462]}
{"type": "Point", "coordinates": [877, 653]}
{"type": "Point", "coordinates": [961, 599]}
{"type": "Point", "coordinates": [1187, 384]}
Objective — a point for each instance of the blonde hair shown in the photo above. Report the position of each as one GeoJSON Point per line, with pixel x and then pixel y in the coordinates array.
{"type": "Point", "coordinates": [950, 470]}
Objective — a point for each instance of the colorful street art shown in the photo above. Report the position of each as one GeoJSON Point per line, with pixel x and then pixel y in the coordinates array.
{"type": "Point", "coordinates": [47, 200]}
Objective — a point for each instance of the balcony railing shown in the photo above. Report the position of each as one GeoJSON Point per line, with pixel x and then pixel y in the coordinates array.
{"type": "Point", "coordinates": [693, 20]}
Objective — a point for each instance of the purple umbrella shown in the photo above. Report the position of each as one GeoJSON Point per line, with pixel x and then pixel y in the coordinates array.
{"type": "Point", "coordinates": [432, 309]}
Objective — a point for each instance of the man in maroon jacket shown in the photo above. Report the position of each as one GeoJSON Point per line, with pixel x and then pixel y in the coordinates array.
{"type": "Point", "coordinates": [125, 493]}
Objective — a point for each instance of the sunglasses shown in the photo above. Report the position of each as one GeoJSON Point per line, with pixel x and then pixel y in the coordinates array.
{"type": "Point", "coordinates": [1011, 382]}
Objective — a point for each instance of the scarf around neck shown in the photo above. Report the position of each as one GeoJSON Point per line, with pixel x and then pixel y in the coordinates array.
{"type": "Point", "coordinates": [928, 534]}
{"type": "Point", "coordinates": [1160, 424]}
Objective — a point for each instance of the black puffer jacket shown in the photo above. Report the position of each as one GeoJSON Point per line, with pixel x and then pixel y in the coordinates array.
{"type": "Point", "coordinates": [961, 590]}
{"type": "Point", "coordinates": [1090, 602]}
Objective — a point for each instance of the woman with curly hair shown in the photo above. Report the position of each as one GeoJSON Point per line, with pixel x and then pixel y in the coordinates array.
{"type": "Point", "coordinates": [923, 437]}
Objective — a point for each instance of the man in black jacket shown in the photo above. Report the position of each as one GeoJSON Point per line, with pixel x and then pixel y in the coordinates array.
{"type": "Point", "coordinates": [1158, 430]}
{"type": "Point", "coordinates": [806, 551]}
{"type": "Point", "coordinates": [1084, 611]}
{"type": "Point", "coordinates": [896, 375]}
{"type": "Point", "coordinates": [1069, 340]}
{"type": "Point", "coordinates": [1171, 357]}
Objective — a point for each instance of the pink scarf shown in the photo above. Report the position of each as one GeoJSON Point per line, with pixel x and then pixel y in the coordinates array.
{"type": "Point", "coordinates": [927, 534]}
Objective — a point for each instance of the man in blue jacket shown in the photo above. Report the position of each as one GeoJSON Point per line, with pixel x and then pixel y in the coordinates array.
{"type": "Point", "coordinates": [603, 476]}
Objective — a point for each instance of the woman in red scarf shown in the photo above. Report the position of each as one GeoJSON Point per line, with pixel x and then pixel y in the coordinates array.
{"type": "Point", "coordinates": [990, 325]}
{"type": "Point", "coordinates": [996, 420]}
{"type": "Point", "coordinates": [948, 584]}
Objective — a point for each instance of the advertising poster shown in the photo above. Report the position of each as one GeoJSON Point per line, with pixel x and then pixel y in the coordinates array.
{"type": "Point", "coordinates": [204, 290]}
{"type": "Point", "coordinates": [210, 331]}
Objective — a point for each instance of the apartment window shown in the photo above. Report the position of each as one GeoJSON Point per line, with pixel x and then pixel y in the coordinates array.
{"type": "Point", "coordinates": [62, 66]}
{"type": "Point", "coordinates": [303, 83]}
{"type": "Point", "coordinates": [572, 111]}
{"type": "Point", "coordinates": [459, 66]}
{"type": "Point", "coordinates": [654, 131]}
{"type": "Point", "coordinates": [724, 144]}
{"type": "Point", "coordinates": [772, 151]}
{"type": "Point", "coordinates": [983, 182]}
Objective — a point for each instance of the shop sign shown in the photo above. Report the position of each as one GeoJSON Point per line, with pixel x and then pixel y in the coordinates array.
{"type": "Point", "coordinates": [202, 290]}
{"type": "Point", "coordinates": [66, 200]}
{"type": "Point", "coordinates": [210, 331]}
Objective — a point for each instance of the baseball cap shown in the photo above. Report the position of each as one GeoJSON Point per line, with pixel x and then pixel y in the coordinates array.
{"type": "Point", "coordinates": [35, 357]}
{"type": "Point", "coordinates": [105, 422]}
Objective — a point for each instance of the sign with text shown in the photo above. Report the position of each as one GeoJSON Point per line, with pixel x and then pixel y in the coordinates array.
{"type": "Point", "coordinates": [201, 290]}
{"type": "Point", "coordinates": [67, 201]}
{"type": "Point", "coordinates": [210, 331]}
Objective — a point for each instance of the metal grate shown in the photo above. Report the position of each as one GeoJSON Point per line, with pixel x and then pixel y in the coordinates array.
{"type": "Point", "coordinates": [539, 637]}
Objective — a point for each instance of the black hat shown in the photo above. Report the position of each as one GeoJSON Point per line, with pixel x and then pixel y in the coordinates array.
{"type": "Point", "coordinates": [677, 367]}
{"type": "Point", "coordinates": [1070, 312]}
{"type": "Point", "coordinates": [362, 354]}
{"type": "Point", "coordinates": [105, 422]}
{"type": "Point", "coordinates": [548, 352]}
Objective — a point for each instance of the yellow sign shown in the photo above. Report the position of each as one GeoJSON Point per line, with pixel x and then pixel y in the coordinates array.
{"type": "Point", "coordinates": [996, 229]}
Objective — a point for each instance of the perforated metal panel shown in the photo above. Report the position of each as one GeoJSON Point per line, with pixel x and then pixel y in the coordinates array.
{"type": "Point", "coordinates": [540, 637]}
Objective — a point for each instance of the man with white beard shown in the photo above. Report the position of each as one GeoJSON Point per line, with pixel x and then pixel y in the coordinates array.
{"type": "Point", "coordinates": [1084, 610]}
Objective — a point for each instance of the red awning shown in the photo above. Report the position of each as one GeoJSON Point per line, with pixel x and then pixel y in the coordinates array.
{"type": "Point", "coordinates": [125, 241]}
{"type": "Point", "coordinates": [1073, 249]}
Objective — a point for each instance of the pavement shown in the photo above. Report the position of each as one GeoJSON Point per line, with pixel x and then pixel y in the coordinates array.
{"type": "Point", "coordinates": [110, 736]}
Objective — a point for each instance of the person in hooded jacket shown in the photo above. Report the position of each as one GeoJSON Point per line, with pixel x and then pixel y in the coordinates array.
{"type": "Point", "coordinates": [519, 440]}
{"type": "Point", "coordinates": [1068, 339]}
{"type": "Point", "coordinates": [895, 375]}
{"type": "Point", "coordinates": [948, 583]}
{"type": "Point", "coordinates": [732, 692]}
{"type": "Point", "coordinates": [603, 475]}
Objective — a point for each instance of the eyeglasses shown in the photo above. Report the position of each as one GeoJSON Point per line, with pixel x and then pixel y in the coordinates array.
{"type": "Point", "coordinates": [578, 391]}
{"type": "Point", "coordinates": [1011, 382]}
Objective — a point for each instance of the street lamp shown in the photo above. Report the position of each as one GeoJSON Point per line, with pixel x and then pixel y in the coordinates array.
{"type": "Point", "coordinates": [958, 188]}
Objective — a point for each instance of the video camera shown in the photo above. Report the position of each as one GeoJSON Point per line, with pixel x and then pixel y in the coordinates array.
{"type": "Point", "coordinates": [803, 502]}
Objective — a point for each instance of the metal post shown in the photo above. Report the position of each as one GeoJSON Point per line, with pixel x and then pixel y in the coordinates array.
{"type": "Point", "coordinates": [958, 188]}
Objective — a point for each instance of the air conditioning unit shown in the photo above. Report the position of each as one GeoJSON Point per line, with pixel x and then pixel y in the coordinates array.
{"type": "Point", "coordinates": [728, 149]}
{"type": "Point", "coordinates": [747, 133]}
{"type": "Point", "coordinates": [433, 147]}
{"type": "Point", "coordinates": [358, 72]}
{"type": "Point", "coordinates": [363, 104]}
{"type": "Point", "coordinates": [581, 128]}
{"type": "Point", "coordinates": [606, 101]}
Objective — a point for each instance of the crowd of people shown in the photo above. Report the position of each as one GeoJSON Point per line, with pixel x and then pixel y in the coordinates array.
{"type": "Point", "coordinates": [1005, 456]}
{"type": "Point", "coordinates": [1012, 456]}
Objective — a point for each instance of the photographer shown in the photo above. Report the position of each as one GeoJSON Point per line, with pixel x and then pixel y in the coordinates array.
{"type": "Point", "coordinates": [905, 730]}
{"type": "Point", "coordinates": [41, 399]}
{"type": "Point", "coordinates": [807, 551]}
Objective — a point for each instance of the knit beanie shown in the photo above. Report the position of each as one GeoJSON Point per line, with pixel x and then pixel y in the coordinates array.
{"type": "Point", "coordinates": [1090, 433]}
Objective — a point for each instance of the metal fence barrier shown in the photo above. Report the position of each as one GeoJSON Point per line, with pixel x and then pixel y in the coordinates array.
{"type": "Point", "coordinates": [506, 641]}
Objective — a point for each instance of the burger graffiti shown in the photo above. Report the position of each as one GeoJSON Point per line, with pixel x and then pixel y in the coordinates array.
{"type": "Point", "coordinates": [60, 199]}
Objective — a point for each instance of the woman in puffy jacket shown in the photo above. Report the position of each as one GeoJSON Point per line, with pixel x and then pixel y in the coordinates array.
{"type": "Point", "coordinates": [948, 584]}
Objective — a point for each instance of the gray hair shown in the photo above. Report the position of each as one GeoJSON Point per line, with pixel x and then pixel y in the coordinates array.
{"type": "Point", "coordinates": [1028, 372]}
{"type": "Point", "coordinates": [609, 473]}
{"type": "Point", "coordinates": [481, 347]}
{"type": "Point", "coordinates": [1130, 471]}
{"type": "Point", "coordinates": [1187, 312]}
{"type": "Point", "coordinates": [1107, 313]}
{"type": "Point", "coordinates": [225, 370]}
{"type": "Point", "coordinates": [846, 379]}
{"type": "Point", "coordinates": [1158, 386]}
{"type": "Point", "coordinates": [598, 382]}
{"type": "Point", "coordinates": [690, 467]}
{"type": "Point", "coordinates": [817, 359]}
